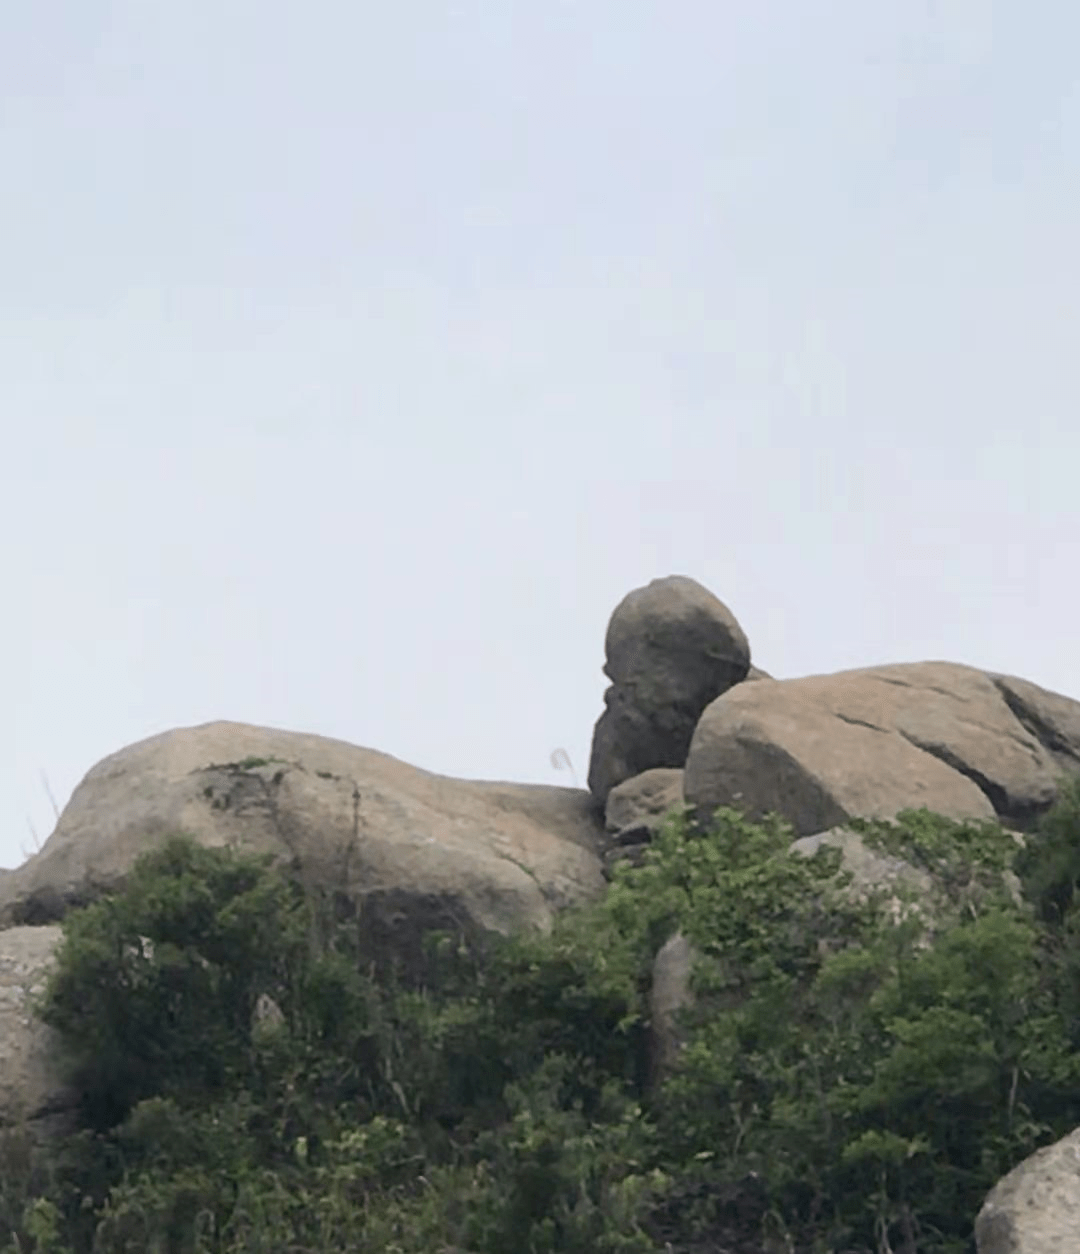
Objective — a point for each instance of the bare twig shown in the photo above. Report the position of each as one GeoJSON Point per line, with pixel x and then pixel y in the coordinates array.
{"type": "Point", "coordinates": [30, 822]}
{"type": "Point", "coordinates": [49, 794]}
{"type": "Point", "coordinates": [34, 836]}
{"type": "Point", "coordinates": [559, 759]}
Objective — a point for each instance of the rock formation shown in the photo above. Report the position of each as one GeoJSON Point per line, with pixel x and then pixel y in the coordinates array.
{"type": "Point", "coordinates": [671, 648]}
{"type": "Point", "coordinates": [635, 809]}
{"type": "Point", "coordinates": [669, 996]}
{"type": "Point", "coordinates": [687, 719]}
{"type": "Point", "coordinates": [408, 847]}
{"type": "Point", "coordinates": [868, 743]}
{"type": "Point", "coordinates": [1035, 1209]}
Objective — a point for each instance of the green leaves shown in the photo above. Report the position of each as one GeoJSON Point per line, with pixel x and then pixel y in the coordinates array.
{"type": "Point", "coordinates": [832, 1050]}
{"type": "Point", "coordinates": [1049, 866]}
{"type": "Point", "coordinates": [176, 963]}
{"type": "Point", "coordinates": [868, 1078]}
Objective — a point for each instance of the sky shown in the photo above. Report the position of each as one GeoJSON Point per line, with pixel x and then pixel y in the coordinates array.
{"type": "Point", "coordinates": [357, 360]}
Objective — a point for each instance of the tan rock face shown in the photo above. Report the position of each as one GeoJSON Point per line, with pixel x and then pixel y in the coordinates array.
{"type": "Point", "coordinates": [645, 799]}
{"type": "Point", "coordinates": [634, 812]}
{"type": "Point", "coordinates": [869, 743]}
{"type": "Point", "coordinates": [672, 647]}
{"type": "Point", "coordinates": [410, 849]}
{"type": "Point", "coordinates": [1035, 1209]}
{"type": "Point", "coordinates": [31, 1087]}
{"type": "Point", "coordinates": [1053, 720]}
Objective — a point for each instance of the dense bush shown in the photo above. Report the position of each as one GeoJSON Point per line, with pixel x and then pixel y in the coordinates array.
{"type": "Point", "coordinates": [175, 965]}
{"type": "Point", "coordinates": [845, 1086]}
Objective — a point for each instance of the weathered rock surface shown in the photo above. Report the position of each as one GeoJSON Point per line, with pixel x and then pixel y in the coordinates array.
{"type": "Point", "coordinates": [869, 743]}
{"type": "Point", "coordinates": [410, 849]}
{"type": "Point", "coordinates": [904, 885]}
{"type": "Point", "coordinates": [644, 799]}
{"type": "Point", "coordinates": [31, 1088]}
{"type": "Point", "coordinates": [1035, 1209]}
{"type": "Point", "coordinates": [635, 809]}
{"type": "Point", "coordinates": [671, 647]}
{"type": "Point", "coordinates": [669, 995]}
{"type": "Point", "coordinates": [1048, 717]}
{"type": "Point", "coordinates": [871, 870]}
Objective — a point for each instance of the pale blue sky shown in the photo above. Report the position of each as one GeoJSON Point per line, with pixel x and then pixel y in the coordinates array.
{"type": "Point", "coordinates": [356, 359]}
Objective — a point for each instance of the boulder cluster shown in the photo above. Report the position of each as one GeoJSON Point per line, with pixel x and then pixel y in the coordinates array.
{"type": "Point", "coordinates": [818, 750]}
{"type": "Point", "coordinates": [687, 720]}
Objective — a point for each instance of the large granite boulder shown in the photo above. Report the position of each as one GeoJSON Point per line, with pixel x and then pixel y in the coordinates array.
{"type": "Point", "coordinates": [869, 743]}
{"type": "Point", "coordinates": [671, 647]}
{"type": "Point", "coordinates": [1035, 1209]}
{"type": "Point", "coordinates": [408, 849]}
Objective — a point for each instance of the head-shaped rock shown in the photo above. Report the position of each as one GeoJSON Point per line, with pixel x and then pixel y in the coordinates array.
{"type": "Point", "coordinates": [672, 648]}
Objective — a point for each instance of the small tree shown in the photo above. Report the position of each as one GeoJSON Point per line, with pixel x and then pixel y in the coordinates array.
{"type": "Point", "coordinates": [155, 988]}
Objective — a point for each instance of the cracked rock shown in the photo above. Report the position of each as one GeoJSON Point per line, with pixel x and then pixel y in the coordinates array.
{"type": "Point", "coordinates": [870, 743]}
{"type": "Point", "coordinates": [400, 849]}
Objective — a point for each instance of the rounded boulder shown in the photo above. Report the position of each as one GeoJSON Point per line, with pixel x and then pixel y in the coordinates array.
{"type": "Point", "coordinates": [671, 649]}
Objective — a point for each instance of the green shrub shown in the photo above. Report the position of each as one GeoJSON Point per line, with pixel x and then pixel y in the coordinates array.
{"type": "Point", "coordinates": [844, 1086]}
{"type": "Point", "coordinates": [176, 963]}
{"type": "Point", "coordinates": [1049, 869]}
{"type": "Point", "coordinates": [879, 1087]}
{"type": "Point", "coordinates": [1049, 866]}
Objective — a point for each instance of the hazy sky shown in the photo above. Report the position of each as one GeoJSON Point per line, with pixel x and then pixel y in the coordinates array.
{"type": "Point", "coordinates": [357, 359]}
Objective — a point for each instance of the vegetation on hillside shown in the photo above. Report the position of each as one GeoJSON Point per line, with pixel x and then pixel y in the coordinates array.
{"type": "Point", "coordinates": [250, 1084]}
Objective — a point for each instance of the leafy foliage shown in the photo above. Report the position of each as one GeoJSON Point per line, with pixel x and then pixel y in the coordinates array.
{"type": "Point", "coordinates": [844, 1085]}
{"type": "Point", "coordinates": [175, 964]}
{"type": "Point", "coordinates": [1049, 868]}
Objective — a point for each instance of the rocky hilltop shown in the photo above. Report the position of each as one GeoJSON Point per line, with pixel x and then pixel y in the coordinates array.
{"type": "Point", "coordinates": [687, 719]}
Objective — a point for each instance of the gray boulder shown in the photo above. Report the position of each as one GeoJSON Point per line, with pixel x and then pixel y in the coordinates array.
{"type": "Point", "coordinates": [869, 743]}
{"type": "Point", "coordinates": [1035, 1209]}
{"type": "Point", "coordinates": [635, 810]}
{"type": "Point", "coordinates": [669, 996]}
{"type": "Point", "coordinates": [643, 800]}
{"type": "Point", "coordinates": [408, 850]}
{"type": "Point", "coordinates": [672, 647]}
